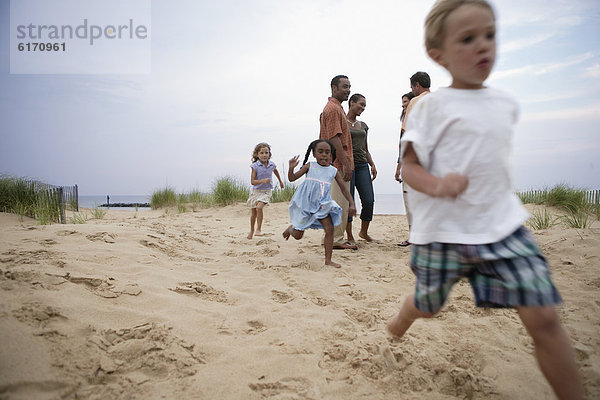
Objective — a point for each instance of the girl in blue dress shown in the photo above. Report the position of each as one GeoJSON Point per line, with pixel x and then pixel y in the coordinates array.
{"type": "Point", "coordinates": [312, 206]}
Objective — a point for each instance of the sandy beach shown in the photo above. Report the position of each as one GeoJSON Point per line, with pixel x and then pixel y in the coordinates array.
{"type": "Point", "coordinates": [156, 305]}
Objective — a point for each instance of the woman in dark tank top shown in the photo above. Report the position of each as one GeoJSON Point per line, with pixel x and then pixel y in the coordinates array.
{"type": "Point", "coordinates": [364, 167]}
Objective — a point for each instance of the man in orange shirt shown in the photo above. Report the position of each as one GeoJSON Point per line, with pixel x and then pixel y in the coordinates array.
{"type": "Point", "coordinates": [335, 128]}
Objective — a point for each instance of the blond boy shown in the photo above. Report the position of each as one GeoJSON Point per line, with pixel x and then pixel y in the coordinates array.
{"type": "Point", "coordinates": [467, 222]}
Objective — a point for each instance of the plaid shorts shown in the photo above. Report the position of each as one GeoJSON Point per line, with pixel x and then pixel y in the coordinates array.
{"type": "Point", "coordinates": [508, 273]}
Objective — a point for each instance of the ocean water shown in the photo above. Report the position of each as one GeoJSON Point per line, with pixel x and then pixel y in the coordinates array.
{"type": "Point", "coordinates": [96, 201]}
{"type": "Point", "coordinates": [384, 203]}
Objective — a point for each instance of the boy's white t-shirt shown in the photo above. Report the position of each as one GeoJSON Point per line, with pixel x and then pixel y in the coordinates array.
{"type": "Point", "coordinates": [468, 132]}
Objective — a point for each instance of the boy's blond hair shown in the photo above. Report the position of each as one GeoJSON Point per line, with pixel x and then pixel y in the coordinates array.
{"type": "Point", "coordinates": [257, 149]}
{"type": "Point", "coordinates": [436, 20]}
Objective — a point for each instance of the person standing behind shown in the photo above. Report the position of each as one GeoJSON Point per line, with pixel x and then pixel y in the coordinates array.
{"type": "Point", "coordinates": [262, 174]}
{"type": "Point", "coordinates": [419, 83]}
{"type": "Point", "coordinates": [468, 222]}
{"type": "Point", "coordinates": [335, 128]}
{"type": "Point", "coordinates": [406, 98]}
{"type": "Point", "coordinates": [363, 176]}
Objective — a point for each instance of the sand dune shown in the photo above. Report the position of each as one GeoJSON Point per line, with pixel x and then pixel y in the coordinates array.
{"type": "Point", "coordinates": [163, 305]}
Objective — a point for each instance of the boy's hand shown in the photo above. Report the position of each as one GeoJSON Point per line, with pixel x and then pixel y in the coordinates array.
{"type": "Point", "coordinates": [451, 185]}
{"type": "Point", "coordinates": [281, 185]}
{"type": "Point", "coordinates": [352, 211]}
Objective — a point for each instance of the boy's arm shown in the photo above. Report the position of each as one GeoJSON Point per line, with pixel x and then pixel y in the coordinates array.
{"type": "Point", "coordinates": [278, 177]}
{"type": "Point", "coordinates": [346, 193]}
{"type": "Point", "coordinates": [421, 180]}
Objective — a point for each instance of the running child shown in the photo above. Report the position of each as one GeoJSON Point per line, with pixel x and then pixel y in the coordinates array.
{"type": "Point", "coordinates": [261, 179]}
{"type": "Point", "coordinates": [312, 206]}
{"type": "Point", "coordinates": [467, 221]}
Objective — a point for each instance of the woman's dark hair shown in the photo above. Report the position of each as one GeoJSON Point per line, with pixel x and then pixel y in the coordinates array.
{"type": "Point", "coordinates": [354, 98]}
{"type": "Point", "coordinates": [314, 143]}
{"type": "Point", "coordinates": [410, 96]}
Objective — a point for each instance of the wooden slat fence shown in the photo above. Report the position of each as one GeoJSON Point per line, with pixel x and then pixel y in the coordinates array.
{"type": "Point", "coordinates": [56, 199]}
{"type": "Point", "coordinates": [538, 196]}
{"type": "Point", "coordinates": [67, 197]}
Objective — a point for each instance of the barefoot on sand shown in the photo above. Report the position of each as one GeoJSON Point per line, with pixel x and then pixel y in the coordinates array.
{"type": "Point", "coordinates": [333, 264]}
{"type": "Point", "coordinates": [259, 233]}
{"type": "Point", "coordinates": [395, 327]}
{"type": "Point", "coordinates": [366, 237]}
{"type": "Point", "coordinates": [288, 231]}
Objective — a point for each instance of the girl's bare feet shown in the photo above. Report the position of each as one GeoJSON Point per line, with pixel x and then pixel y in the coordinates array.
{"type": "Point", "coordinates": [250, 235]}
{"type": "Point", "coordinates": [288, 231]}
{"type": "Point", "coordinates": [259, 233]}
{"type": "Point", "coordinates": [333, 264]}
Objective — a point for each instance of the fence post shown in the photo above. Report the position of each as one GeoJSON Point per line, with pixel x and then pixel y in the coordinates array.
{"type": "Point", "coordinates": [61, 205]}
{"type": "Point", "coordinates": [76, 198]}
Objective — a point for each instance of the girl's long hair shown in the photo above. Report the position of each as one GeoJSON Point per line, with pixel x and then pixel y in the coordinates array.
{"type": "Point", "coordinates": [313, 144]}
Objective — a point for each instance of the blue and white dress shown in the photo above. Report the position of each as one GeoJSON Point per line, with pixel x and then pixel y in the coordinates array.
{"type": "Point", "coordinates": [312, 200]}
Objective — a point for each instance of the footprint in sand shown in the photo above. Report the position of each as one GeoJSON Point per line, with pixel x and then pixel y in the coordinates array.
{"type": "Point", "coordinates": [37, 315]}
{"type": "Point", "coordinates": [66, 233]}
{"type": "Point", "coordinates": [255, 327]}
{"type": "Point", "coordinates": [102, 236]}
{"type": "Point", "coordinates": [281, 297]}
{"type": "Point", "coordinates": [201, 290]}
{"type": "Point", "coordinates": [142, 353]}
{"type": "Point", "coordinates": [289, 387]}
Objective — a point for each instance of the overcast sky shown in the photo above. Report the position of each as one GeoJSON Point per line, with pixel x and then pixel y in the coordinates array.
{"type": "Point", "coordinates": [226, 75]}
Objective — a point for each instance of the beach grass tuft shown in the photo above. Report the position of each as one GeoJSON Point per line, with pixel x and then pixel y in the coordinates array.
{"type": "Point", "coordinates": [541, 219]}
{"type": "Point", "coordinates": [225, 191]}
{"type": "Point", "coordinates": [229, 190]}
{"type": "Point", "coordinates": [78, 218]}
{"type": "Point", "coordinates": [285, 194]}
{"type": "Point", "coordinates": [163, 198]}
{"type": "Point", "coordinates": [98, 213]}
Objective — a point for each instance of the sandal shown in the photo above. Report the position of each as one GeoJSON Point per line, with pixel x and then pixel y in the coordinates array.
{"type": "Point", "coordinates": [404, 244]}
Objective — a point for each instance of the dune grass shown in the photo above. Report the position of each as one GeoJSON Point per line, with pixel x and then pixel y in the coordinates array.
{"type": "Point", "coordinates": [229, 190]}
{"type": "Point", "coordinates": [225, 191]}
{"type": "Point", "coordinates": [578, 211]}
{"type": "Point", "coordinates": [285, 194]}
{"type": "Point", "coordinates": [98, 213]}
{"type": "Point", "coordinates": [28, 198]}
{"type": "Point", "coordinates": [541, 219]}
{"type": "Point", "coordinates": [163, 198]}
{"type": "Point", "coordinates": [78, 218]}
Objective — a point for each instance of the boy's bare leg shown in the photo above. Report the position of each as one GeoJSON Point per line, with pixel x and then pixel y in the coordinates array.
{"type": "Point", "coordinates": [364, 227]}
{"type": "Point", "coordinates": [405, 317]}
{"type": "Point", "coordinates": [328, 241]}
{"type": "Point", "coordinates": [553, 350]}
{"type": "Point", "coordinates": [252, 221]}
{"type": "Point", "coordinates": [259, 218]}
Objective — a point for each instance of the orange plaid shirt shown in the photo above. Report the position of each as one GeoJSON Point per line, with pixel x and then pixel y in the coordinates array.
{"type": "Point", "coordinates": [333, 122]}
